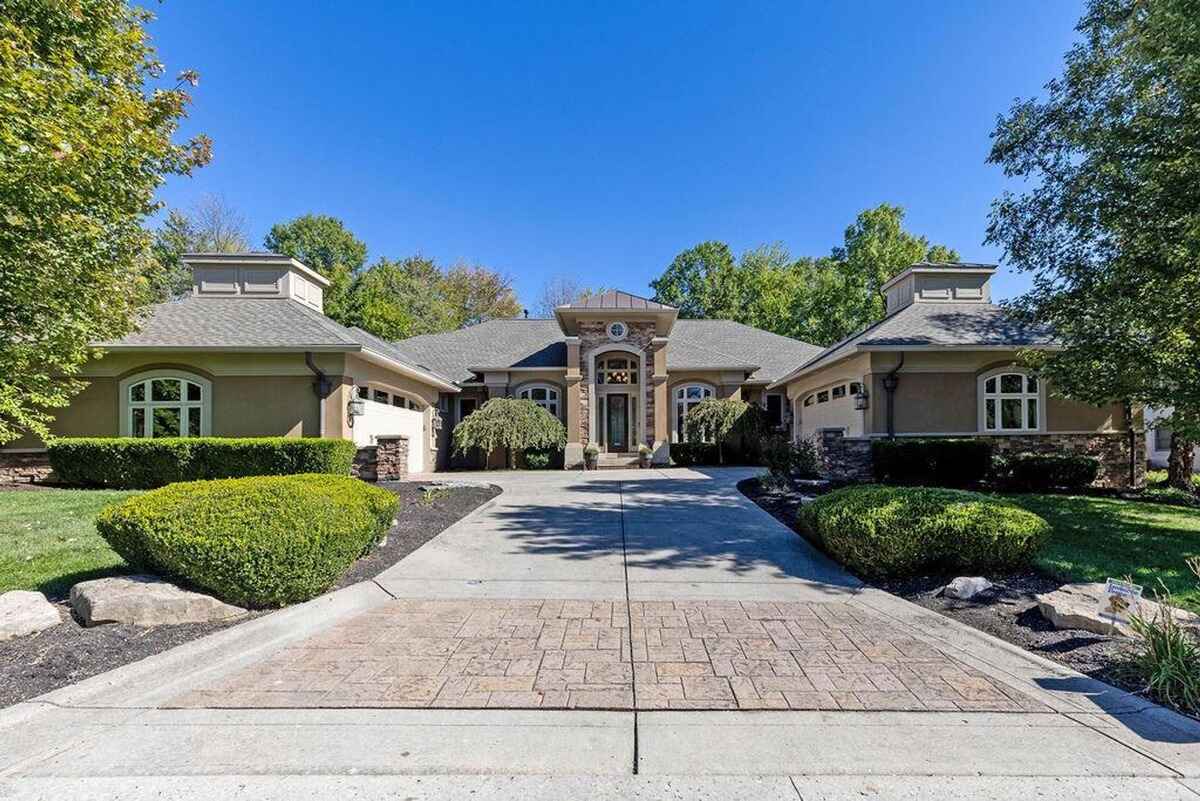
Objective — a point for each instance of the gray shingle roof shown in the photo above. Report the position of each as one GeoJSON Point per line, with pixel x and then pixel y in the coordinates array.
{"type": "Point", "coordinates": [616, 299]}
{"type": "Point", "coordinates": [712, 343]}
{"type": "Point", "coordinates": [950, 325]}
{"type": "Point", "coordinates": [495, 343]}
{"type": "Point", "coordinates": [251, 323]}
{"type": "Point", "coordinates": [695, 344]}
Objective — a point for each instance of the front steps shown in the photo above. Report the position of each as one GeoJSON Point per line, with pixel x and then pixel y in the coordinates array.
{"type": "Point", "coordinates": [617, 461]}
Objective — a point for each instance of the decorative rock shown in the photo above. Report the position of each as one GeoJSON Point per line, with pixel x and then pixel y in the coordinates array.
{"type": "Point", "coordinates": [1077, 606]}
{"type": "Point", "coordinates": [145, 601]}
{"type": "Point", "coordinates": [964, 588]}
{"type": "Point", "coordinates": [24, 612]}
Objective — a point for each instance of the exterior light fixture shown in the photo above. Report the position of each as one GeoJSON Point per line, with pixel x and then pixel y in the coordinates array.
{"type": "Point", "coordinates": [862, 399]}
{"type": "Point", "coordinates": [356, 407]}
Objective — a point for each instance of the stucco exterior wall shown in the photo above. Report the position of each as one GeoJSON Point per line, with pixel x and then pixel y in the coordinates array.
{"type": "Point", "coordinates": [839, 413]}
{"type": "Point", "coordinates": [252, 394]}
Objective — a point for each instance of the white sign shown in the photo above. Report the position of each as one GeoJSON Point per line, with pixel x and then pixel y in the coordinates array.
{"type": "Point", "coordinates": [1120, 599]}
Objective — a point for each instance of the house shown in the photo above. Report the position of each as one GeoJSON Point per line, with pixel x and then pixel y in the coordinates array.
{"type": "Point", "coordinates": [248, 352]}
{"type": "Point", "coordinates": [1158, 440]}
{"type": "Point", "coordinates": [944, 363]}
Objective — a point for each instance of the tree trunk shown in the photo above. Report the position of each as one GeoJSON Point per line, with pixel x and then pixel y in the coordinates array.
{"type": "Point", "coordinates": [1179, 463]}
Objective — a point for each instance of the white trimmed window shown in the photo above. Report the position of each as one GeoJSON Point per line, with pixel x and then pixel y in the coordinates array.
{"type": "Point", "coordinates": [686, 397]}
{"type": "Point", "coordinates": [166, 404]}
{"type": "Point", "coordinates": [617, 370]}
{"type": "Point", "coordinates": [543, 395]}
{"type": "Point", "coordinates": [1010, 400]}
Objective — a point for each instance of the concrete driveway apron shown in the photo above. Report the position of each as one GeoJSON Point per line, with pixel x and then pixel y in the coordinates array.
{"type": "Point", "coordinates": [522, 639]}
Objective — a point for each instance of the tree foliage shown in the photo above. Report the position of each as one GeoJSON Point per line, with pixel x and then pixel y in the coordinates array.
{"type": "Point", "coordinates": [818, 300]}
{"type": "Point", "coordinates": [715, 419]}
{"type": "Point", "coordinates": [475, 294]}
{"type": "Point", "coordinates": [1109, 226]}
{"type": "Point", "coordinates": [509, 423]}
{"type": "Point", "coordinates": [210, 226]}
{"type": "Point", "coordinates": [561, 290]}
{"type": "Point", "coordinates": [84, 143]}
{"type": "Point", "coordinates": [325, 244]}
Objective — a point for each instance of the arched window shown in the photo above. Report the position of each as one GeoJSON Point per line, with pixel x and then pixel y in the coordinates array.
{"type": "Point", "coordinates": [686, 397]}
{"type": "Point", "coordinates": [616, 370]}
{"type": "Point", "coordinates": [1010, 400]}
{"type": "Point", "coordinates": [543, 395]}
{"type": "Point", "coordinates": [166, 403]}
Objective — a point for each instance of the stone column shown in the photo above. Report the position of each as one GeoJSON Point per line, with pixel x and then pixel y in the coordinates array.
{"type": "Point", "coordinates": [662, 408]}
{"type": "Point", "coordinates": [573, 453]}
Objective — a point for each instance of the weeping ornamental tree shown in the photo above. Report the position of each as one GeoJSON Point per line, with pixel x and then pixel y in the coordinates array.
{"type": "Point", "coordinates": [1108, 220]}
{"type": "Point", "coordinates": [717, 419]}
{"type": "Point", "coordinates": [509, 423]}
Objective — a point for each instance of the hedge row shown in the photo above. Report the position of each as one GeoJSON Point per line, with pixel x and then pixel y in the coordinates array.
{"type": "Point", "coordinates": [881, 532]}
{"type": "Point", "coordinates": [256, 542]}
{"type": "Point", "coordinates": [133, 463]}
{"type": "Point", "coordinates": [1038, 472]}
{"type": "Point", "coordinates": [932, 462]}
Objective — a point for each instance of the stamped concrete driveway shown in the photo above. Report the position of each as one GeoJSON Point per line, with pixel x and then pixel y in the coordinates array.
{"type": "Point", "coordinates": [610, 634]}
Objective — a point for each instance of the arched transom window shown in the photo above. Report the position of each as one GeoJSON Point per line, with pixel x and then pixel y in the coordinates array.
{"type": "Point", "coordinates": [166, 404]}
{"type": "Point", "coordinates": [543, 395]}
{"type": "Point", "coordinates": [616, 370]}
{"type": "Point", "coordinates": [1010, 401]}
{"type": "Point", "coordinates": [686, 397]}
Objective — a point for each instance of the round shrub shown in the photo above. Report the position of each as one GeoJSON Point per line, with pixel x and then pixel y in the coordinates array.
{"type": "Point", "coordinates": [882, 531]}
{"type": "Point", "coordinates": [256, 542]}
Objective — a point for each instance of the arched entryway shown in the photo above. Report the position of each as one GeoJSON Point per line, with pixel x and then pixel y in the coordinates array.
{"type": "Point", "coordinates": [618, 387]}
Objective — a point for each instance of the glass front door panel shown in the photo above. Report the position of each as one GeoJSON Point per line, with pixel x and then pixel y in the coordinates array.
{"type": "Point", "coordinates": [617, 417]}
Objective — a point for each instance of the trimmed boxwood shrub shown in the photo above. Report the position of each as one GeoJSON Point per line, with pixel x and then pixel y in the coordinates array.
{"type": "Point", "coordinates": [932, 462]}
{"type": "Point", "coordinates": [687, 454]}
{"type": "Point", "coordinates": [881, 532]}
{"type": "Point", "coordinates": [1037, 472]}
{"type": "Point", "coordinates": [256, 542]}
{"type": "Point", "coordinates": [134, 463]}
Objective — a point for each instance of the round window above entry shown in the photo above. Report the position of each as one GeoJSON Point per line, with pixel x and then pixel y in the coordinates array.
{"type": "Point", "coordinates": [617, 330]}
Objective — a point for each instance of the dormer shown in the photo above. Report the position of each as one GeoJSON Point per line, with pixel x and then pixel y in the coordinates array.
{"type": "Point", "coordinates": [940, 282]}
{"type": "Point", "coordinates": [255, 275]}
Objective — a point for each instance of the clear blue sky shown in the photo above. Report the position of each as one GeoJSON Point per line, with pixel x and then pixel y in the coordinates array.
{"type": "Point", "coordinates": [599, 140]}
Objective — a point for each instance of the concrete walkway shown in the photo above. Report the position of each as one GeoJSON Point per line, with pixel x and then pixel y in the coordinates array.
{"type": "Point", "coordinates": [690, 555]}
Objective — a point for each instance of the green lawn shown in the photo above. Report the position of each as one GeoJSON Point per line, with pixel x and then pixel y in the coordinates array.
{"type": "Point", "coordinates": [48, 539]}
{"type": "Point", "coordinates": [1098, 538]}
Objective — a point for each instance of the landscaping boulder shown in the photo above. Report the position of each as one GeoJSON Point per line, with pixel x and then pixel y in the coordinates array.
{"type": "Point", "coordinates": [24, 612]}
{"type": "Point", "coordinates": [964, 588]}
{"type": "Point", "coordinates": [1077, 606]}
{"type": "Point", "coordinates": [145, 601]}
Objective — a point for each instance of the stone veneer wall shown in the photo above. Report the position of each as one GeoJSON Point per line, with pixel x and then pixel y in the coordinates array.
{"type": "Point", "coordinates": [24, 468]}
{"type": "Point", "coordinates": [845, 458]}
{"type": "Point", "coordinates": [386, 460]}
{"type": "Point", "coordinates": [593, 336]}
{"type": "Point", "coordinates": [849, 458]}
{"type": "Point", "coordinates": [1111, 448]}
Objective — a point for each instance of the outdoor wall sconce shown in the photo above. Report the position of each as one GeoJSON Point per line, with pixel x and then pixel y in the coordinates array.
{"type": "Point", "coordinates": [861, 400]}
{"type": "Point", "coordinates": [356, 408]}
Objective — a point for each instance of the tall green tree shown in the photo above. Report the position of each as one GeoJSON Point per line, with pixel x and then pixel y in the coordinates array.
{"type": "Point", "coordinates": [1109, 227]}
{"type": "Point", "coordinates": [700, 282]}
{"type": "Point", "coordinates": [325, 244]}
{"type": "Point", "coordinates": [211, 225]}
{"type": "Point", "coordinates": [85, 140]}
{"type": "Point", "coordinates": [818, 300]}
{"type": "Point", "coordinates": [476, 294]}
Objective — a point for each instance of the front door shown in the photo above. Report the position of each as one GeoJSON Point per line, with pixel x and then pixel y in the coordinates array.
{"type": "Point", "coordinates": [617, 423]}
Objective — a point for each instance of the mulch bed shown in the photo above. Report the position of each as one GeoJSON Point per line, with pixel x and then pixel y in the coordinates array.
{"type": "Point", "coordinates": [1008, 612]}
{"type": "Point", "coordinates": [69, 653]}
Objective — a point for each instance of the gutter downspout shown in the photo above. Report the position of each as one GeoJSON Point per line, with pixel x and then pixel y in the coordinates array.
{"type": "Point", "coordinates": [321, 387]}
{"type": "Point", "coordinates": [890, 382]}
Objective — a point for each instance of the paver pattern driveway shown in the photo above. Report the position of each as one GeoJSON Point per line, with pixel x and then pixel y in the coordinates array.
{"type": "Point", "coordinates": [563, 654]}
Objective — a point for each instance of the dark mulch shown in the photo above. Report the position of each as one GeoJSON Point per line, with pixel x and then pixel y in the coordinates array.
{"type": "Point", "coordinates": [421, 517]}
{"type": "Point", "coordinates": [1009, 612]}
{"type": "Point", "coordinates": [69, 653]}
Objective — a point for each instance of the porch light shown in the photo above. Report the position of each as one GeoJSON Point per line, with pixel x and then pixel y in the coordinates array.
{"type": "Point", "coordinates": [356, 408]}
{"type": "Point", "coordinates": [861, 399]}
